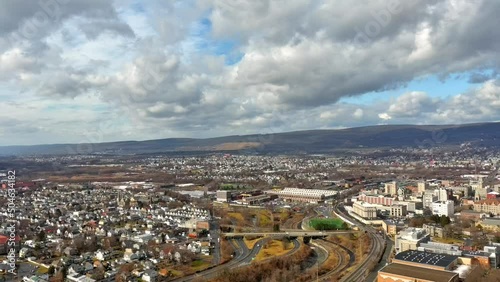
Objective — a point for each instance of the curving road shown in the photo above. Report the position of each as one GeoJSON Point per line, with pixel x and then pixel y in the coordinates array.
{"type": "Point", "coordinates": [243, 256]}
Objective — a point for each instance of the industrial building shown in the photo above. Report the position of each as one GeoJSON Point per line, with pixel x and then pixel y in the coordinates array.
{"type": "Point", "coordinates": [410, 238]}
{"type": "Point", "coordinates": [427, 260]}
{"type": "Point", "coordinates": [440, 248]}
{"type": "Point", "coordinates": [304, 195]}
{"type": "Point", "coordinates": [402, 272]}
{"type": "Point", "coordinates": [223, 196]}
{"type": "Point", "coordinates": [391, 188]}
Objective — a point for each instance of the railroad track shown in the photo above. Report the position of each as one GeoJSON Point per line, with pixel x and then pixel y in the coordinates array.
{"type": "Point", "coordinates": [377, 250]}
{"type": "Point", "coordinates": [342, 265]}
{"type": "Point", "coordinates": [361, 271]}
{"type": "Point", "coordinates": [292, 224]}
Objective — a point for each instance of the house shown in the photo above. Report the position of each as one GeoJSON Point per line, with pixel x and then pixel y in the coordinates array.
{"type": "Point", "coordinates": [37, 278]}
{"type": "Point", "coordinates": [79, 278]}
{"type": "Point", "coordinates": [69, 251]}
{"type": "Point", "coordinates": [99, 255]}
{"type": "Point", "coordinates": [149, 275]}
{"type": "Point", "coordinates": [76, 269]}
{"type": "Point", "coordinates": [23, 252]}
{"type": "Point", "coordinates": [88, 266]}
{"type": "Point", "coordinates": [129, 255]}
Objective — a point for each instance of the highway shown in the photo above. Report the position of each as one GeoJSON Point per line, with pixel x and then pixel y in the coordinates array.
{"type": "Point", "coordinates": [295, 233]}
{"type": "Point", "coordinates": [377, 247]}
{"type": "Point", "coordinates": [243, 256]}
{"type": "Point", "coordinates": [342, 264]}
{"type": "Point", "coordinates": [215, 235]}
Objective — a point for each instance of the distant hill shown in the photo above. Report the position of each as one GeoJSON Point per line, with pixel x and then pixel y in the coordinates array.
{"type": "Point", "coordinates": [310, 141]}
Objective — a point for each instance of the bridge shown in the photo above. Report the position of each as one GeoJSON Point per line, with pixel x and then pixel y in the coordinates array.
{"type": "Point", "coordinates": [298, 233]}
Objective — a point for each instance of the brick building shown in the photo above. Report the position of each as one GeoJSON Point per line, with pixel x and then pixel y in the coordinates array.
{"type": "Point", "coordinates": [396, 272]}
{"type": "Point", "coordinates": [488, 206]}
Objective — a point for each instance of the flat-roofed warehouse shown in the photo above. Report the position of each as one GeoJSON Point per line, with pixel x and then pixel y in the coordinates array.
{"type": "Point", "coordinates": [304, 195]}
{"type": "Point", "coordinates": [427, 260]}
{"type": "Point", "coordinates": [401, 272]}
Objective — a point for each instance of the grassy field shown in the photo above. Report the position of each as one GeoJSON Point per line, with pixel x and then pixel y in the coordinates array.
{"type": "Point", "coordinates": [238, 217]}
{"type": "Point", "coordinates": [176, 273]}
{"type": "Point", "coordinates": [200, 264]}
{"type": "Point", "coordinates": [327, 223]}
{"type": "Point", "coordinates": [273, 248]}
{"type": "Point", "coordinates": [264, 219]}
{"type": "Point", "coordinates": [250, 242]}
{"type": "Point", "coordinates": [447, 240]}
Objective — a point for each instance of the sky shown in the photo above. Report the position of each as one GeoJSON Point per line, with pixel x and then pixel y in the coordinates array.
{"type": "Point", "coordinates": [87, 71]}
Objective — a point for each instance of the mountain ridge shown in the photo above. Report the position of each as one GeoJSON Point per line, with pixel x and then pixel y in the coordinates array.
{"type": "Point", "coordinates": [308, 141]}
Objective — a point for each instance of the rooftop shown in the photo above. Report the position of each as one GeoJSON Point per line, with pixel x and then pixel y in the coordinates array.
{"type": "Point", "coordinates": [491, 221]}
{"type": "Point", "coordinates": [426, 258]}
{"type": "Point", "coordinates": [412, 233]}
{"type": "Point", "coordinates": [476, 254]}
{"type": "Point", "coordinates": [489, 202]}
{"type": "Point", "coordinates": [419, 273]}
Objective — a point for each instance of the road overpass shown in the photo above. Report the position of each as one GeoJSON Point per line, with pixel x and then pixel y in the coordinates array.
{"type": "Point", "coordinates": [298, 233]}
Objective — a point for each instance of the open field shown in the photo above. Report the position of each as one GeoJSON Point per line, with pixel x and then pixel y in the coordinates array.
{"type": "Point", "coordinates": [273, 248]}
{"type": "Point", "coordinates": [237, 216]}
{"type": "Point", "coordinates": [250, 241]}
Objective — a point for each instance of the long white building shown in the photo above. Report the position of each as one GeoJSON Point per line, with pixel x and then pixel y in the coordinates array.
{"type": "Point", "coordinates": [304, 195]}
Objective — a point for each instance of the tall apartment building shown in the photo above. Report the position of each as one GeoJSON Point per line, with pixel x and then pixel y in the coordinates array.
{"type": "Point", "coordinates": [428, 198]}
{"type": "Point", "coordinates": [422, 186]}
{"type": "Point", "coordinates": [377, 199]}
{"type": "Point", "coordinates": [446, 208]}
{"type": "Point", "coordinates": [391, 188]}
{"type": "Point", "coordinates": [442, 194]}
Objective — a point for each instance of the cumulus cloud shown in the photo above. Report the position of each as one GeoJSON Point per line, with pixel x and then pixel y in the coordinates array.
{"type": "Point", "coordinates": [205, 68]}
{"type": "Point", "coordinates": [412, 104]}
{"type": "Point", "coordinates": [384, 116]}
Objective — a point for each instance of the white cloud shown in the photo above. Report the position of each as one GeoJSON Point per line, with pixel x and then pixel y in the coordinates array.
{"type": "Point", "coordinates": [160, 68]}
{"type": "Point", "coordinates": [384, 116]}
